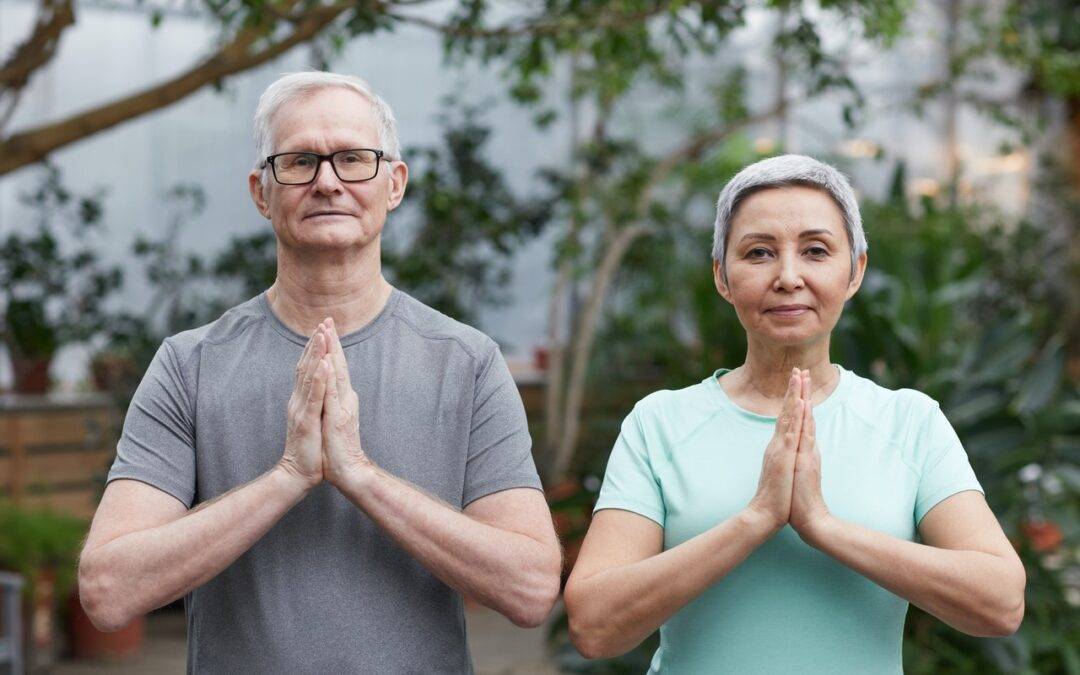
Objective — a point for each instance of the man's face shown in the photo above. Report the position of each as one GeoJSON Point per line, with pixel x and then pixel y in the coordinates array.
{"type": "Point", "coordinates": [788, 265]}
{"type": "Point", "coordinates": [328, 214]}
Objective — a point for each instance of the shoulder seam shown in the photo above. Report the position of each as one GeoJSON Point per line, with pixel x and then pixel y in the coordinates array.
{"type": "Point", "coordinates": [429, 336]}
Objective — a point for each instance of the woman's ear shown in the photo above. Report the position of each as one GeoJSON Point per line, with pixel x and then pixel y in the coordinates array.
{"type": "Point", "coordinates": [721, 283]}
{"type": "Point", "coordinates": [856, 280]}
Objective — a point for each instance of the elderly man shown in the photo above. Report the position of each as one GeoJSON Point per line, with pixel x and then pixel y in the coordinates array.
{"type": "Point", "coordinates": [322, 471]}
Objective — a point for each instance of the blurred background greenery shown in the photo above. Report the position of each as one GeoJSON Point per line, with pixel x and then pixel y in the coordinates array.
{"type": "Point", "coordinates": [966, 299]}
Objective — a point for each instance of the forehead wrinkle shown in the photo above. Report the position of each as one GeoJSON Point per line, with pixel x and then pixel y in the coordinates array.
{"type": "Point", "coordinates": [325, 129]}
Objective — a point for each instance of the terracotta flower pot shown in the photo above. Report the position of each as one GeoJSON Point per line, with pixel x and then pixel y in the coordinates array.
{"type": "Point", "coordinates": [88, 642]}
{"type": "Point", "coordinates": [31, 374]}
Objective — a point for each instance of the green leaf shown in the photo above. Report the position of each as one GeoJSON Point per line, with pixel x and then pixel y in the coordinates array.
{"type": "Point", "coordinates": [1042, 381]}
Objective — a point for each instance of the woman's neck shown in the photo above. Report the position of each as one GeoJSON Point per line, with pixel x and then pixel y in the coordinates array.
{"type": "Point", "coordinates": [760, 383]}
{"type": "Point", "coordinates": [349, 288]}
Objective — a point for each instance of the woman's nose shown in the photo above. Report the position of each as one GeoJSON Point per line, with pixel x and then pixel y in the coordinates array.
{"type": "Point", "coordinates": [789, 275]}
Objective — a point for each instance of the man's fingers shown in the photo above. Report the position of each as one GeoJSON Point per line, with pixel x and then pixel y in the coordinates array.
{"type": "Point", "coordinates": [305, 358]}
{"type": "Point", "coordinates": [337, 353]}
{"type": "Point", "coordinates": [318, 350]}
{"type": "Point", "coordinates": [318, 386]}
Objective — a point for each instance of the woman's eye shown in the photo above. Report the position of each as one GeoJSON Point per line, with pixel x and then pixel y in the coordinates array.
{"type": "Point", "coordinates": [817, 251]}
{"type": "Point", "coordinates": [757, 252]}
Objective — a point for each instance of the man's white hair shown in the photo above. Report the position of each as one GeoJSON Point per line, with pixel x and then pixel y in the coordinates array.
{"type": "Point", "coordinates": [783, 171]}
{"type": "Point", "coordinates": [291, 87]}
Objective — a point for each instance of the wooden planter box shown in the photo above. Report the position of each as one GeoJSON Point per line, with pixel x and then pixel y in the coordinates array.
{"type": "Point", "coordinates": [55, 450]}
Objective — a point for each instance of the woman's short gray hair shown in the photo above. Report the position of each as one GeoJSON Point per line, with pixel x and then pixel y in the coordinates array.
{"type": "Point", "coordinates": [293, 86]}
{"type": "Point", "coordinates": [784, 171]}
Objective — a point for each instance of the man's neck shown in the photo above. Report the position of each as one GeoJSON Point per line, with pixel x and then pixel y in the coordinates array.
{"type": "Point", "coordinates": [349, 288]}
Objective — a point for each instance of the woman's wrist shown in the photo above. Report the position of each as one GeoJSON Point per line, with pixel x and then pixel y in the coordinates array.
{"type": "Point", "coordinates": [759, 523]}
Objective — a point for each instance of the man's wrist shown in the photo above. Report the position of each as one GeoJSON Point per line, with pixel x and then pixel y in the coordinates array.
{"type": "Point", "coordinates": [292, 478]}
{"type": "Point", "coordinates": [356, 477]}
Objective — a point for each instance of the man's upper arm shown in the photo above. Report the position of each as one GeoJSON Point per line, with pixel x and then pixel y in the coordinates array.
{"type": "Point", "coordinates": [131, 506]}
{"type": "Point", "coordinates": [499, 448]}
{"type": "Point", "coordinates": [520, 510]}
{"type": "Point", "coordinates": [157, 445]}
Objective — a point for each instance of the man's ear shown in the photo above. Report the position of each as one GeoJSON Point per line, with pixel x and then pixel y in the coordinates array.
{"type": "Point", "coordinates": [399, 178]}
{"type": "Point", "coordinates": [856, 281]}
{"type": "Point", "coordinates": [255, 187]}
{"type": "Point", "coordinates": [718, 279]}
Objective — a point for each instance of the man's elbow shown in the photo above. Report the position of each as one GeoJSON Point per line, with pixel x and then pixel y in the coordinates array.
{"type": "Point", "coordinates": [534, 601]}
{"type": "Point", "coordinates": [99, 598]}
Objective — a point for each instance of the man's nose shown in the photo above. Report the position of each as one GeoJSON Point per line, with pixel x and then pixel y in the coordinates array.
{"type": "Point", "coordinates": [326, 181]}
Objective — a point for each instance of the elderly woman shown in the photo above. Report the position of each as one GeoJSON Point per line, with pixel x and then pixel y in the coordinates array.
{"type": "Point", "coordinates": [779, 517]}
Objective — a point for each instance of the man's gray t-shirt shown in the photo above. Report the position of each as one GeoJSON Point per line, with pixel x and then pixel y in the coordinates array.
{"type": "Point", "coordinates": [325, 590]}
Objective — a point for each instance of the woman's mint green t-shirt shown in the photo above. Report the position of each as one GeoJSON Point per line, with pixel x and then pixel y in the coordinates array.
{"type": "Point", "coordinates": [690, 459]}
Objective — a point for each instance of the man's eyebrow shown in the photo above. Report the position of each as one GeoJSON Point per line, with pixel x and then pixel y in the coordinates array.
{"type": "Point", "coordinates": [762, 236]}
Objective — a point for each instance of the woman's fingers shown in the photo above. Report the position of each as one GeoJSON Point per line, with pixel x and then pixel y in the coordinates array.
{"type": "Point", "coordinates": [806, 439]}
{"type": "Point", "coordinates": [787, 409]}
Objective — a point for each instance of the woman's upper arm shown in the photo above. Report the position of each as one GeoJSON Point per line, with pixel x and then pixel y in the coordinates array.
{"type": "Point", "coordinates": [964, 521]}
{"type": "Point", "coordinates": [616, 537]}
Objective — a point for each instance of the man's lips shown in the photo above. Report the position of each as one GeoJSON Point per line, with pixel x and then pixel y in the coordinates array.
{"type": "Point", "coordinates": [316, 214]}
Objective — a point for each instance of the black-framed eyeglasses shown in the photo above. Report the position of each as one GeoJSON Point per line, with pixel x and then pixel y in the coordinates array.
{"type": "Point", "coordinates": [351, 166]}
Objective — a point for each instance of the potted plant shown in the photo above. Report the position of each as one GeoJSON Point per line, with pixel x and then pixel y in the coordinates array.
{"type": "Point", "coordinates": [52, 284]}
{"type": "Point", "coordinates": [43, 547]}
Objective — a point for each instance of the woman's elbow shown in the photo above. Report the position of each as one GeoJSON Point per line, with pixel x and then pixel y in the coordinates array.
{"type": "Point", "coordinates": [592, 638]}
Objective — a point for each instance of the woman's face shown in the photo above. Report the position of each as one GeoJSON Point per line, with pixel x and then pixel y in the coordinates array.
{"type": "Point", "coordinates": [788, 265]}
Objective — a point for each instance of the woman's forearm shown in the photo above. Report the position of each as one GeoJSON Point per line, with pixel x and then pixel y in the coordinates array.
{"type": "Point", "coordinates": [975, 592]}
{"type": "Point", "coordinates": [613, 610]}
{"type": "Point", "coordinates": [140, 571]}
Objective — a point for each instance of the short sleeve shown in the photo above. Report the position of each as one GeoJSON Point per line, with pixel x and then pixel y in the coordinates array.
{"type": "Point", "coordinates": [157, 445]}
{"type": "Point", "coordinates": [630, 482]}
{"type": "Point", "coordinates": [945, 469]}
{"type": "Point", "coordinates": [500, 448]}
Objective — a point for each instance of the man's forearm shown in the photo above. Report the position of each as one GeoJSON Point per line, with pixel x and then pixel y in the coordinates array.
{"type": "Point", "coordinates": [135, 573]}
{"type": "Point", "coordinates": [972, 591]}
{"type": "Point", "coordinates": [507, 571]}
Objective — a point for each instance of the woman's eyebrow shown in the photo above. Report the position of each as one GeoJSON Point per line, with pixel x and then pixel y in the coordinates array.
{"type": "Point", "coordinates": [762, 236]}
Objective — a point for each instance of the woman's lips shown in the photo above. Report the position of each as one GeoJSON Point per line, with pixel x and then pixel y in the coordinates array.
{"type": "Point", "coordinates": [793, 311]}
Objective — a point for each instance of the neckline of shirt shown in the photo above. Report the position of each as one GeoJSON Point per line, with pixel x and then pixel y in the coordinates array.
{"type": "Point", "coordinates": [834, 399]}
{"type": "Point", "coordinates": [362, 333]}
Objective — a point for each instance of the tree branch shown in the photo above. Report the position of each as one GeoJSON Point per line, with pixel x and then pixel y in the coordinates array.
{"type": "Point", "coordinates": [615, 250]}
{"type": "Point", "coordinates": [33, 145]}
{"type": "Point", "coordinates": [546, 26]}
{"type": "Point", "coordinates": [40, 46]}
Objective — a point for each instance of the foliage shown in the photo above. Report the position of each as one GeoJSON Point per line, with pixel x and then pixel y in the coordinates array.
{"type": "Point", "coordinates": [32, 540]}
{"type": "Point", "coordinates": [466, 222]}
{"type": "Point", "coordinates": [52, 284]}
